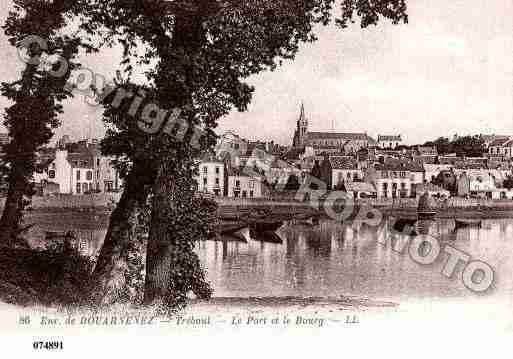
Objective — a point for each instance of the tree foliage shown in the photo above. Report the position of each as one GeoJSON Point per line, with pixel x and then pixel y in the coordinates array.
{"type": "Point", "coordinates": [469, 146]}
{"type": "Point", "coordinates": [200, 54]}
{"type": "Point", "coordinates": [37, 95]}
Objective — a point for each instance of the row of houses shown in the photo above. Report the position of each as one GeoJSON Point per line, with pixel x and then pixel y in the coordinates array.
{"type": "Point", "coordinates": [79, 171]}
{"type": "Point", "coordinates": [391, 171]}
{"type": "Point", "coordinates": [220, 178]}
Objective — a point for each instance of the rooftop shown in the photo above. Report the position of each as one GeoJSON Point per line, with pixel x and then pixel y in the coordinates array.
{"type": "Point", "coordinates": [337, 135]}
{"type": "Point", "coordinates": [343, 163]}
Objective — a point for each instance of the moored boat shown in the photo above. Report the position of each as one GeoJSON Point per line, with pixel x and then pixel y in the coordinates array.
{"type": "Point", "coordinates": [265, 225]}
{"type": "Point", "coordinates": [267, 237]}
{"type": "Point", "coordinates": [229, 227]}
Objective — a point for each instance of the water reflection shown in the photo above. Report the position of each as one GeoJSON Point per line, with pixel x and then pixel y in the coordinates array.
{"type": "Point", "coordinates": [330, 259]}
{"type": "Point", "coordinates": [341, 259]}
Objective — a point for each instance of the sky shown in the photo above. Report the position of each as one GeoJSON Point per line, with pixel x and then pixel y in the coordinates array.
{"type": "Point", "coordinates": [448, 71]}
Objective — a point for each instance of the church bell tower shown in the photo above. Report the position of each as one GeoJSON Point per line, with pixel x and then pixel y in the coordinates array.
{"type": "Point", "coordinates": [301, 129]}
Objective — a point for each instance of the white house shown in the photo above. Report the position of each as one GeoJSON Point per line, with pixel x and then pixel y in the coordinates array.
{"type": "Point", "coordinates": [245, 185]}
{"type": "Point", "coordinates": [80, 172]}
{"type": "Point", "coordinates": [395, 178]}
{"type": "Point", "coordinates": [212, 176]}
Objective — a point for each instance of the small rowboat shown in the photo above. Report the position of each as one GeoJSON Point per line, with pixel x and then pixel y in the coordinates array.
{"type": "Point", "coordinates": [230, 227]}
{"type": "Point", "coordinates": [267, 237]}
{"type": "Point", "coordinates": [462, 223]}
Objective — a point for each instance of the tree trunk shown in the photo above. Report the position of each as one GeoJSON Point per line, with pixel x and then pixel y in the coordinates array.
{"type": "Point", "coordinates": [178, 220]}
{"type": "Point", "coordinates": [13, 210]}
{"type": "Point", "coordinates": [160, 245]}
{"type": "Point", "coordinates": [109, 278]}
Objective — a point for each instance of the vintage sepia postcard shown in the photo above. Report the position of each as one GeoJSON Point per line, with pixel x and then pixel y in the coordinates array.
{"type": "Point", "coordinates": [256, 177]}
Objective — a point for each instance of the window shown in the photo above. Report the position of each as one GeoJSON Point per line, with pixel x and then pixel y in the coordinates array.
{"type": "Point", "coordinates": [78, 175]}
{"type": "Point", "coordinates": [84, 187]}
{"type": "Point", "coordinates": [237, 183]}
{"type": "Point", "coordinates": [244, 194]}
{"type": "Point", "coordinates": [217, 170]}
{"type": "Point", "coordinates": [251, 184]}
{"type": "Point", "coordinates": [205, 169]}
{"type": "Point", "coordinates": [51, 174]}
{"type": "Point", "coordinates": [98, 162]}
{"type": "Point", "coordinates": [89, 175]}
{"type": "Point", "coordinates": [217, 181]}
{"type": "Point", "coordinates": [205, 181]}
{"type": "Point", "coordinates": [251, 194]}
{"type": "Point", "coordinates": [79, 187]}
{"type": "Point", "coordinates": [97, 174]}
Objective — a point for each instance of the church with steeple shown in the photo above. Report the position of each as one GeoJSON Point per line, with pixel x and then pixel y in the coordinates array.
{"type": "Point", "coordinates": [301, 129]}
{"type": "Point", "coordinates": [328, 142]}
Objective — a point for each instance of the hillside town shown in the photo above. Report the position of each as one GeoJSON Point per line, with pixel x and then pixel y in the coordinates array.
{"type": "Point", "coordinates": [364, 167]}
{"type": "Point", "coordinates": [353, 162]}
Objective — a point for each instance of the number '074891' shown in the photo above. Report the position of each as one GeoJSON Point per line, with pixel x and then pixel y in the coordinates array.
{"type": "Point", "coordinates": [56, 345]}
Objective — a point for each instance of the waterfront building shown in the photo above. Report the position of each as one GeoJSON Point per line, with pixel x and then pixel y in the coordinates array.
{"type": "Point", "coordinates": [395, 178]}
{"type": "Point", "coordinates": [212, 176]}
{"type": "Point", "coordinates": [79, 172]}
{"type": "Point", "coordinates": [245, 184]}
{"type": "Point", "coordinates": [476, 185]}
